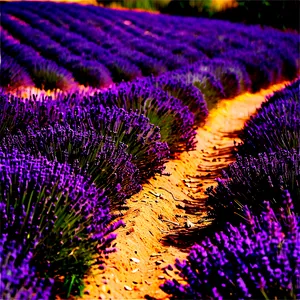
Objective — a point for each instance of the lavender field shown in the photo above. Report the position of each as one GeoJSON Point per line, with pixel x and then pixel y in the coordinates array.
{"type": "Point", "coordinates": [129, 92]}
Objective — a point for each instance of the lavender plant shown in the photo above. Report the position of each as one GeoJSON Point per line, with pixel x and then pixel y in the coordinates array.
{"type": "Point", "coordinates": [122, 70]}
{"type": "Point", "coordinates": [210, 87]}
{"type": "Point", "coordinates": [249, 181]}
{"type": "Point", "coordinates": [58, 214]}
{"type": "Point", "coordinates": [109, 166]}
{"type": "Point", "coordinates": [19, 279]}
{"type": "Point", "coordinates": [274, 126]}
{"type": "Point", "coordinates": [232, 75]}
{"type": "Point", "coordinates": [88, 73]}
{"type": "Point", "coordinates": [261, 72]}
{"type": "Point", "coordinates": [12, 75]}
{"type": "Point", "coordinates": [168, 113]}
{"type": "Point", "coordinates": [143, 139]}
{"type": "Point", "coordinates": [82, 113]}
{"type": "Point", "coordinates": [187, 93]}
{"type": "Point", "coordinates": [257, 260]}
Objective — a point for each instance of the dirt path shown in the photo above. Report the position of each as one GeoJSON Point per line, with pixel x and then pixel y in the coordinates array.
{"type": "Point", "coordinates": [137, 269]}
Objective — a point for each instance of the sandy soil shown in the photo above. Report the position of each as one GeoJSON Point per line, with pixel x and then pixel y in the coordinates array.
{"type": "Point", "coordinates": [148, 243]}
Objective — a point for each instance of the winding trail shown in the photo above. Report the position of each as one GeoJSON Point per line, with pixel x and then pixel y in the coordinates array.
{"type": "Point", "coordinates": [168, 204]}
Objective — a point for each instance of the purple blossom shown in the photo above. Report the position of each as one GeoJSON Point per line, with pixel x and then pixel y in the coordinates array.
{"type": "Point", "coordinates": [55, 213]}
{"type": "Point", "coordinates": [110, 166]}
{"type": "Point", "coordinates": [259, 259]}
{"type": "Point", "coordinates": [276, 125]}
{"type": "Point", "coordinates": [18, 278]}
{"type": "Point", "coordinates": [174, 119]}
{"type": "Point", "coordinates": [250, 180]}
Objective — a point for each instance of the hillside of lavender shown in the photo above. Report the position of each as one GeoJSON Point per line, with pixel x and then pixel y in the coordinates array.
{"type": "Point", "coordinates": [69, 162]}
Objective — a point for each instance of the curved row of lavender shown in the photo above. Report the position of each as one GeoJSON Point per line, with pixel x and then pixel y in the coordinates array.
{"type": "Point", "coordinates": [53, 223]}
{"type": "Point", "coordinates": [56, 44]}
{"type": "Point", "coordinates": [257, 254]}
{"type": "Point", "coordinates": [276, 125]}
{"type": "Point", "coordinates": [268, 159]}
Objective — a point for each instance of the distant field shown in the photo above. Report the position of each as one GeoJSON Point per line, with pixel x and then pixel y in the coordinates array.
{"type": "Point", "coordinates": [56, 46]}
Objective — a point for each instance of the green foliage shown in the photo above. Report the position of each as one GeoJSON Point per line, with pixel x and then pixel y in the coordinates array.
{"type": "Point", "coordinates": [281, 14]}
{"type": "Point", "coordinates": [137, 4]}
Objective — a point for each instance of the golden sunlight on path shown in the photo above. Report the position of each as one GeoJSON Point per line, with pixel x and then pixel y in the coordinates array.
{"type": "Point", "coordinates": [137, 269]}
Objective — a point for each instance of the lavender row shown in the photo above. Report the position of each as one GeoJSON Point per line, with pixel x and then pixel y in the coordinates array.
{"type": "Point", "coordinates": [58, 218]}
{"type": "Point", "coordinates": [44, 73]}
{"type": "Point", "coordinates": [209, 35]}
{"type": "Point", "coordinates": [256, 260]}
{"type": "Point", "coordinates": [77, 45]}
{"type": "Point", "coordinates": [276, 125]}
{"type": "Point", "coordinates": [84, 71]}
{"type": "Point", "coordinates": [103, 41]}
{"type": "Point", "coordinates": [127, 40]}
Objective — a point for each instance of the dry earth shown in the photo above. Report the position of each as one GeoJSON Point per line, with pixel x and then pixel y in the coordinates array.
{"type": "Point", "coordinates": [149, 241]}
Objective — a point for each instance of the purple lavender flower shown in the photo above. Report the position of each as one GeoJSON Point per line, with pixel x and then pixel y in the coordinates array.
{"type": "Point", "coordinates": [276, 125]}
{"type": "Point", "coordinates": [259, 259]}
{"type": "Point", "coordinates": [187, 93]}
{"type": "Point", "coordinates": [19, 279]}
{"type": "Point", "coordinates": [57, 214]}
{"type": "Point", "coordinates": [109, 166]}
{"type": "Point", "coordinates": [168, 113]}
{"type": "Point", "coordinates": [250, 180]}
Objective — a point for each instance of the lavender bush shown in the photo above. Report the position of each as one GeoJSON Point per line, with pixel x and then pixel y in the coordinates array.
{"type": "Point", "coordinates": [249, 181]}
{"type": "Point", "coordinates": [274, 126]}
{"type": "Point", "coordinates": [232, 75]}
{"type": "Point", "coordinates": [49, 77]}
{"type": "Point", "coordinates": [168, 113]}
{"type": "Point", "coordinates": [88, 113]}
{"type": "Point", "coordinates": [187, 93]}
{"type": "Point", "coordinates": [257, 260]}
{"type": "Point", "coordinates": [58, 214]}
{"type": "Point", "coordinates": [109, 166]}
{"type": "Point", "coordinates": [262, 72]}
{"type": "Point", "coordinates": [210, 88]}
{"type": "Point", "coordinates": [142, 138]}
{"type": "Point", "coordinates": [19, 279]}
{"type": "Point", "coordinates": [12, 75]}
